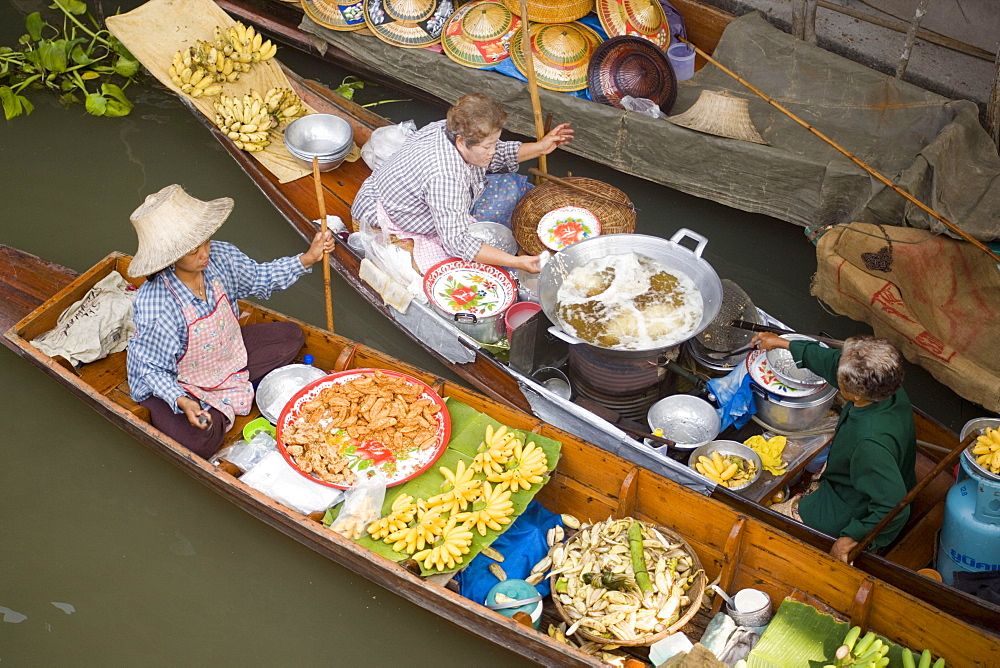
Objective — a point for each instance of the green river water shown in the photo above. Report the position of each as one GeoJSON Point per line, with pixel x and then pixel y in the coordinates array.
{"type": "Point", "coordinates": [111, 556]}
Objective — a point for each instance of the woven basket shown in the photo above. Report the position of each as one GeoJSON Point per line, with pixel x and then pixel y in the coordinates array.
{"type": "Point", "coordinates": [552, 11]}
{"type": "Point", "coordinates": [615, 218]}
{"type": "Point", "coordinates": [696, 593]}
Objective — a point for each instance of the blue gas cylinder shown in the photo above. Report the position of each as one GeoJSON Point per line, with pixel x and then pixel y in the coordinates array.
{"type": "Point", "coordinates": [970, 533]}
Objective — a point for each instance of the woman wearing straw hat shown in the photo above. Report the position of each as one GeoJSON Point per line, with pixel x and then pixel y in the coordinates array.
{"type": "Point", "coordinates": [190, 362]}
{"type": "Point", "coordinates": [427, 189]}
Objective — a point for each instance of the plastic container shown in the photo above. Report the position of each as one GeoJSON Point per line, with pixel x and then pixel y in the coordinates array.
{"type": "Point", "coordinates": [520, 591]}
{"type": "Point", "coordinates": [682, 58]}
{"type": "Point", "coordinates": [518, 314]}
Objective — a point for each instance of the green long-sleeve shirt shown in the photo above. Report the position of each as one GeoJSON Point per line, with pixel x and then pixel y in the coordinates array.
{"type": "Point", "coordinates": [870, 466]}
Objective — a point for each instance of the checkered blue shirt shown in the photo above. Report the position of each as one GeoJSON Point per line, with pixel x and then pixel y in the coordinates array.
{"type": "Point", "coordinates": [427, 187]}
{"type": "Point", "coordinates": [161, 330]}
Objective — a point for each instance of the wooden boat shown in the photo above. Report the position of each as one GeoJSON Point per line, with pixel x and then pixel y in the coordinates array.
{"type": "Point", "coordinates": [588, 482]}
{"type": "Point", "coordinates": [296, 200]}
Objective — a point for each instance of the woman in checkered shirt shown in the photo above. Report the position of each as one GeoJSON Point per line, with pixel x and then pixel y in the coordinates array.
{"type": "Point", "coordinates": [426, 190]}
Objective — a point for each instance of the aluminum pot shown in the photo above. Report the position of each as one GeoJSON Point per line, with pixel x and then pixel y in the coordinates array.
{"type": "Point", "coordinates": [485, 329]}
{"type": "Point", "coordinates": [792, 415]}
{"type": "Point", "coordinates": [668, 252]}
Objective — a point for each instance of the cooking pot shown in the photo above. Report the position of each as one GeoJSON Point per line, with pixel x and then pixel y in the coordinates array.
{"type": "Point", "coordinates": [669, 253]}
{"type": "Point", "coordinates": [471, 295]}
{"type": "Point", "coordinates": [792, 415]}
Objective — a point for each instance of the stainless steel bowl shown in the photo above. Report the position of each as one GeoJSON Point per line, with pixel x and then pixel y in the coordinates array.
{"type": "Point", "coordinates": [326, 137]}
{"type": "Point", "coordinates": [495, 235]}
{"type": "Point", "coordinates": [685, 419]}
{"type": "Point", "coordinates": [978, 425]}
{"type": "Point", "coordinates": [803, 379]}
{"type": "Point", "coordinates": [728, 448]}
{"type": "Point", "coordinates": [279, 386]}
{"type": "Point", "coordinates": [792, 415]}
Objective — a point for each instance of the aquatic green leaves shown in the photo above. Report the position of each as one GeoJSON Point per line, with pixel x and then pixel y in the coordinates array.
{"type": "Point", "coordinates": [78, 57]}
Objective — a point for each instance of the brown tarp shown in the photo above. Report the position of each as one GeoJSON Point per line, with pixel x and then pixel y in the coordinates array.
{"type": "Point", "coordinates": [931, 145]}
{"type": "Point", "coordinates": [939, 302]}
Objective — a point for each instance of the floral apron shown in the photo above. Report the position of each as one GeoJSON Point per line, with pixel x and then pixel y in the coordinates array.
{"type": "Point", "coordinates": [427, 248]}
{"type": "Point", "coordinates": [213, 368]}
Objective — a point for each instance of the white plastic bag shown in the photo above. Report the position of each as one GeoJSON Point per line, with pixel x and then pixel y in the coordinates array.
{"type": "Point", "coordinates": [362, 505]}
{"type": "Point", "coordinates": [385, 141]}
{"type": "Point", "coordinates": [390, 258]}
{"type": "Point", "coordinates": [246, 455]}
{"type": "Point", "coordinates": [275, 477]}
{"type": "Point", "coordinates": [642, 105]}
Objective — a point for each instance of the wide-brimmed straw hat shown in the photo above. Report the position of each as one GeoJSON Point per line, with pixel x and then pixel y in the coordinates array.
{"type": "Point", "coordinates": [641, 18]}
{"type": "Point", "coordinates": [342, 15]}
{"type": "Point", "coordinates": [411, 24]}
{"type": "Point", "coordinates": [478, 34]}
{"type": "Point", "coordinates": [561, 52]}
{"type": "Point", "coordinates": [721, 114]}
{"type": "Point", "coordinates": [170, 224]}
{"type": "Point", "coordinates": [552, 11]}
{"type": "Point", "coordinates": [631, 66]}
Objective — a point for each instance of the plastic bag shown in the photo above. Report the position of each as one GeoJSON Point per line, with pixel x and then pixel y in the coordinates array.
{"type": "Point", "coordinates": [732, 393]}
{"type": "Point", "coordinates": [395, 262]}
{"type": "Point", "coordinates": [362, 506]}
{"type": "Point", "coordinates": [276, 478]}
{"type": "Point", "coordinates": [385, 141]}
{"type": "Point", "coordinates": [644, 106]}
{"type": "Point", "coordinates": [246, 455]}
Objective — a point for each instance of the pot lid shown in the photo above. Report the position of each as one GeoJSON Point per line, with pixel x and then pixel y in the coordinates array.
{"type": "Point", "coordinates": [457, 286]}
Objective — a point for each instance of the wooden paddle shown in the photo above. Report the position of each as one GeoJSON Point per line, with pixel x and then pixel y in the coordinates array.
{"type": "Point", "coordinates": [326, 256]}
{"type": "Point", "coordinates": [529, 65]}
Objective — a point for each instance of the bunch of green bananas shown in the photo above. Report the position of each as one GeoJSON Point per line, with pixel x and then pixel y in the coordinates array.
{"type": "Point", "coordinates": [868, 652]}
{"type": "Point", "coordinates": [192, 77]}
{"type": "Point", "coordinates": [243, 44]}
{"type": "Point", "coordinates": [245, 120]}
{"type": "Point", "coordinates": [284, 104]}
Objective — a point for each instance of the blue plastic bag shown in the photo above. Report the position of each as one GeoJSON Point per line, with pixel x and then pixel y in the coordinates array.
{"type": "Point", "coordinates": [732, 393]}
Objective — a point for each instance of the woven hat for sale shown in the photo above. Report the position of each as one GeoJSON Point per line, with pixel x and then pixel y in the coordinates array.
{"type": "Point", "coordinates": [720, 114]}
{"type": "Point", "coordinates": [561, 52]}
{"type": "Point", "coordinates": [478, 34]}
{"type": "Point", "coordinates": [411, 24]}
{"type": "Point", "coordinates": [552, 11]}
{"type": "Point", "coordinates": [170, 224]}
{"type": "Point", "coordinates": [631, 66]}
{"type": "Point", "coordinates": [336, 15]}
{"type": "Point", "coordinates": [642, 18]}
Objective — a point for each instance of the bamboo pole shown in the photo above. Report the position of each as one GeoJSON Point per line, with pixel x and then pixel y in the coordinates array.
{"type": "Point", "coordinates": [529, 66]}
{"type": "Point", "coordinates": [853, 158]}
{"type": "Point", "coordinates": [911, 37]}
{"type": "Point", "coordinates": [321, 201]}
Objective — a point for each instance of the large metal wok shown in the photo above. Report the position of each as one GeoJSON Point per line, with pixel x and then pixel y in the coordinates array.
{"type": "Point", "coordinates": [668, 252]}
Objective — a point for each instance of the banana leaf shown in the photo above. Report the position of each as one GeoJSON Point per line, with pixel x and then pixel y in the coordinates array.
{"type": "Point", "coordinates": [801, 635]}
{"type": "Point", "coordinates": [468, 426]}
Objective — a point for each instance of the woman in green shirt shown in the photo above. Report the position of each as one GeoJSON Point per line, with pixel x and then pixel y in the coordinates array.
{"type": "Point", "coordinates": [870, 466]}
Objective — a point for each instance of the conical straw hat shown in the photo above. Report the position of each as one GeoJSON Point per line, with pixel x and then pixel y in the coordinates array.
{"type": "Point", "coordinates": [478, 34]}
{"type": "Point", "coordinates": [629, 65]}
{"type": "Point", "coordinates": [408, 23]}
{"type": "Point", "coordinates": [561, 52]}
{"type": "Point", "coordinates": [552, 11]}
{"type": "Point", "coordinates": [334, 15]}
{"type": "Point", "coordinates": [641, 18]}
{"type": "Point", "coordinates": [170, 224]}
{"type": "Point", "coordinates": [720, 114]}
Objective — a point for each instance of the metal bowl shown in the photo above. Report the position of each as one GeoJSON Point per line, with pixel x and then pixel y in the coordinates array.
{"type": "Point", "coordinates": [978, 425]}
{"type": "Point", "coordinates": [685, 419]}
{"type": "Point", "coordinates": [326, 137]}
{"type": "Point", "coordinates": [728, 448]}
{"type": "Point", "coordinates": [279, 386]}
{"type": "Point", "coordinates": [495, 235]}
{"type": "Point", "coordinates": [803, 379]}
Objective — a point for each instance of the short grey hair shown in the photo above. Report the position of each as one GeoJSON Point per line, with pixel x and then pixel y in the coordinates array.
{"type": "Point", "coordinates": [870, 367]}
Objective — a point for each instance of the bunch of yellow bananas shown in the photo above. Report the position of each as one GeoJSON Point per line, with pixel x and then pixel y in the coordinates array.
{"type": "Point", "coordinates": [403, 512]}
{"type": "Point", "coordinates": [215, 61]}
{"type": "Point", "coordinates": [526, 467]}
{"type": "Point", "coordinates": [494, 451]}
{"type": "Point", "coordinates": [191, 77]}
{"type": "Point", "coordinates": [987, 450]}
{"type": "Point", "coordinates": [464, 489]}
{"type": "Point", "coordinates": [729, 471]}
{"type": "Point", "coordinates": [284, 104]}
{"type": "Point", "coordinates": [428, 527]}
{"type": "Point", "coordinates": [245, 120]}
{"type": "Point", "coordinates": [770, 451]}
{"type": "Point", "coordinates": [455, 542]}
{"type": "Point", "coordinates": [243, 44]}
{"type": "Point", "coordinates": [491, 511]}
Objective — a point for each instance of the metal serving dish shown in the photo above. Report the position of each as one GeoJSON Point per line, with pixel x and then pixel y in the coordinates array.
{"type": "Point", "coordinates": [668, 252]}
{"type": "Point", "coordinates": [728, 448]}
{"type": "Point", "coordinates": [792, 415]}
{"type": "Point", "coordinates": [279, 386]}
{"type": "Point", "coordinates": [685, 419]}
{"type": "Point", "coordinates": [495, 235]}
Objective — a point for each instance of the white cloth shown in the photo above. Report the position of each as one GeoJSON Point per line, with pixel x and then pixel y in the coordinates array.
{"type": "Point", "coordinates": [94, 327]}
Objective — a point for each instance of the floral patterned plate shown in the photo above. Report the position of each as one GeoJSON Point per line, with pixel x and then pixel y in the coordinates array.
{"type": "Point", "coordinates": [763, 375]}
{"type": "Point", "coordinates": [566, 225]}
{"type": "Point", "coordinates": [457, 286]}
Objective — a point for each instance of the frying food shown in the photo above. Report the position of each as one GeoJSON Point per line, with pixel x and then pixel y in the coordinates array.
{"type": "Point", "coordinates": [373, 407]}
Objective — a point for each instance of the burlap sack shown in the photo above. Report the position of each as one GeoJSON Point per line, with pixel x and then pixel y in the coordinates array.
{"type": "Point", "coordinates": [157, 30]}
{"type": "Point", "coordinates": [939, 303]}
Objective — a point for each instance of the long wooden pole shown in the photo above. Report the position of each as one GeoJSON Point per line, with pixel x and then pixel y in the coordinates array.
{"type": "Point", "coordinates": [941, 465]}
{"type": "Point", "coordinates": [855, 159]}
{"type": "Point", "coordinates": [529, 66]}
{"type": "Point", "coordinates": [321, 201]}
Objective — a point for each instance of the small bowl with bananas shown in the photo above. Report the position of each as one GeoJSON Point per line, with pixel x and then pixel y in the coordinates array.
{"type": "Point", "coordinates": [727, 463]}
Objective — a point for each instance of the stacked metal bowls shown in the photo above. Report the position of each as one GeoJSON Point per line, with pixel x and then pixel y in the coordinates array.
{"type": "Point", "coordinates": [326, 137]}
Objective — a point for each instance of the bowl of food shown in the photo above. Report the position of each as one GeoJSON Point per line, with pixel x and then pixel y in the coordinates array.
{"type": "Point", "coordinates": [685, 419]}
{"type": "Point", "coordinates": [727, 463]}
{"type": "Point", "coordinates": [784, 367]}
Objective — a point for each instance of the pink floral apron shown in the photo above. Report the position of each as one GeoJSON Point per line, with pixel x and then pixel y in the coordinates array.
{"type": "Point", "coordinates": [427, 248]}
{"type": "Point", "coordinates": [213, 368]}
